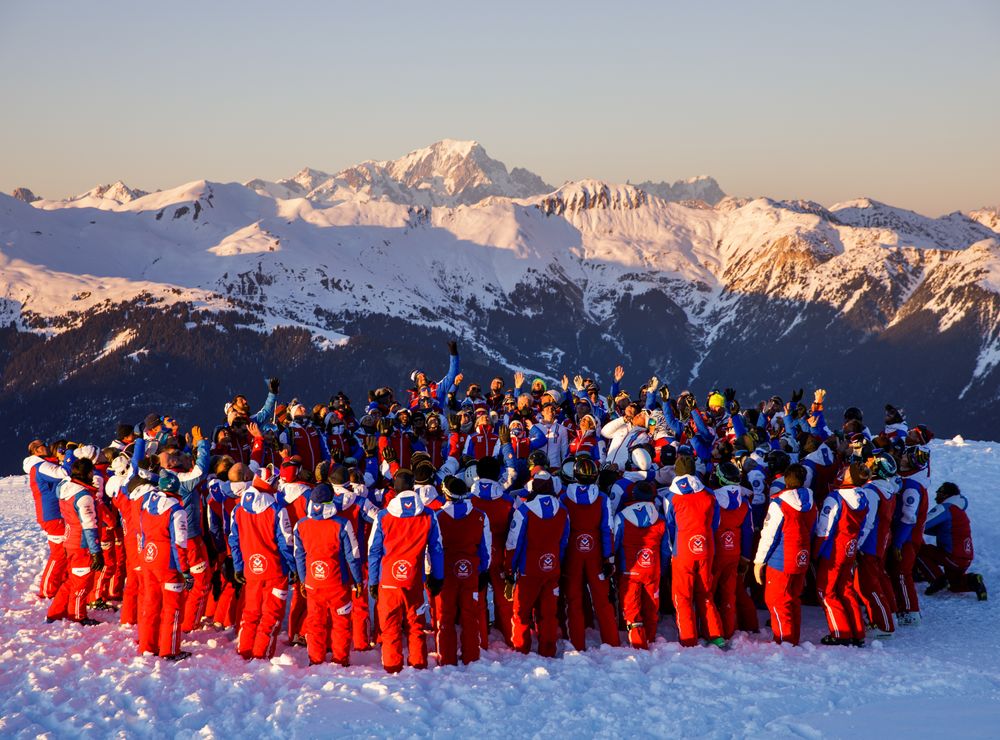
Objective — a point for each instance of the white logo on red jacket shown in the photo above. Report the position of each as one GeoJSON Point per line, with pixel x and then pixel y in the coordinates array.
{"type": "Point", "coordinates": [463, 568]}
{"type": "Point", "coordinates": [644, 558]}
{"type": "Point", "coordinates": [968, 545]}
{"type": "Point", "coordinates": [547, 562]}
{"type": "Point", "coordinates": [697, 544]}
{"type": "Point", "coordinates": [258, 564]}
{"type": "Point", "coordinates": [852, 547]}
{"type": "Point", "coordinates": [320, 570]}
{"type": "Point", "coordinates": [150, 552]}
{"type": "Point", "coordinates": [401, 570]}
{"type": "Point", "coordinates": [728, 540]}
{"type": "Point", "coordinates": [584, 543]}
{"type": "Point", "coordinates": [802, 559]}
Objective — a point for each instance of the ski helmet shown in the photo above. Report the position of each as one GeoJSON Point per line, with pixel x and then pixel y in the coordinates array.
{"type": "Point", "coordinates": [777, 461]}
{"type": "Point", "coordinates": [727, 474]}
{"type": "Point", "coordinates": [585, 470]}
{"type": "Point", "coordinates": [884, 467]}
{"type": "Point", "coordinates": [566, 470]}
{"type": "Point", "coordinates": [641, 459]}
{"type": "Point", "coordinates": [538, 459]}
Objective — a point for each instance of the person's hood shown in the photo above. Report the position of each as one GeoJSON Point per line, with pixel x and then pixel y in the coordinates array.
{"type": "Point", "coordinates": [683, 484]}
{"type": "Point", "coordinates": [406, 504]}
{"type": "Point", "coordinates": [799, 499]}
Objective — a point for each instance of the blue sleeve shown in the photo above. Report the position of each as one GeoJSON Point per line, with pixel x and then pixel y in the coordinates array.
{"type": "Point", "coordinates": [435, 549]}
{"type": "Point", "coordinates": [538, 438]}
{"type": "Point", "coordinates": [606, 540]}
{"type": "Point", "coordinates": [664, 549]}
{"type": "Point", "coordinates": [739, 426]}
{"type": "Point", "coordinates": [672, 530]}
{"type": "Point", "coordinates": [615, 388]}
{"type": "Point", "coordinates": [67, 462]}
{"type": "Point", "coordinates": [138, 452]}
{"type": "Point", "coordinates": [564, 540]}
{"type": "Point", "coordinates": [267, 411]}
{"type": "Point", "coordinates": [284, 546]}
{"type": "Point", "coordinates": [939, 521]}
{"type": "Point", "coordinates": [716, 517]}
{"type": "Point", "coordinates": [448, 380]}
{"type": "Point", "coordinates": [484, 550]}
{"type": "Point", "coordinates": [353, 563]}
{"type": "Point", "coordinates": [324, 447]}
{"type": "Point", "coordinates": [700, 425]}
{"type": "Point", "coordinates": [746, 536]}
{"type": "Point", "coordinates": [234, 543]}
{"type": "Point", "coordinates": [650, 400]}
{"type": "Point", "coordinates": [300, 554]}
{"type": "Point", "coordinates": [672, 421]}
{"type": "Point", "coordinates": [202, 459]}
{"type": "Point", "coordinates": [375, 552]}
{"type": "Point", "coordinates": [819, 428]}
{"type": "Point", "coordinates": [619, 545]}
{"type": "Point", "coordinates": [702, 448]}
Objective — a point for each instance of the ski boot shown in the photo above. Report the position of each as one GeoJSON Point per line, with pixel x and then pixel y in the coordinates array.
{"type": "Point", "coordinates": [938, 584]}
{"type": "Point", "coordinates": [178, 656]}
{"type": "Point", "coordinates": [979, 586]}
{"type": "Point", "coordinates": [833, 640]}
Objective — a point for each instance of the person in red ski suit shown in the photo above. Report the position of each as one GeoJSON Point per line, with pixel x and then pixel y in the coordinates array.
{"type": "Point", "coordinates": [841, 525]}
{"type": "Point", "coordinates": [328, 562]}
{"type": "Point", "coordinates": [466, 540]}
{"type": "Point", "coordinates": [945, 563]}
{"type": "Point", "coordinates": [692, 516]}
{"type": "Point", "coordinates": [224, 496]}
{"type": "Point", "coordinates": [293, 495]}
{"type": "Point", "coordinates": [590, 557]}
{"type": "Point", "coordinates": [908, 535]}
{"type": "Point", "coordinates": [733, 550]}
{"type": "Point", "coordinates": [641, 545]}
{"type": "Point", "coordinates": [871, 580]}
{"type": "Point", "coordinates": [536, 544]}
{"type": "Point", "coordinates": [304, 439]}
{"type": "Point", "coordinates": [260, 540]}
{"type": "Point", "coordinates": [404, 535]}
{"type": "Point", "coordinates": [163, 539]}
{"type": "Point", "coordinates": [44, 475]}
{"type": "Point", "coordinates": [490, 498]}
{"type": "Point", "coordinates": [784, 551]}
{"type": "Point", "coordinates": [83, 551]}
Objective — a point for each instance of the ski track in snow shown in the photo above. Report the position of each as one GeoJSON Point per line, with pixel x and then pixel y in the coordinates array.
{"type": "Point", "coordinates": [940, 678]}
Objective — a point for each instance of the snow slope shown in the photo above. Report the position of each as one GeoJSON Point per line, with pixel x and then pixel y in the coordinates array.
{"type": "Point", "coordinates": [942, 678]}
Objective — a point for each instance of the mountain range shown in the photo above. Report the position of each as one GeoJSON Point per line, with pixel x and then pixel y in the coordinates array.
{"type": "Point", "coordinates": [120, 301]}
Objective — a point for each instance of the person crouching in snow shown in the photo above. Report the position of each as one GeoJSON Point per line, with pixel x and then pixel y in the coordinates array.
{"type": "Point", "coordinates": [403, 535]}
{"type": "Point", "coordinates": [465, 536]}
{"type": "Point", "coordinates": [843, 522]}
{"type": "Point", "coordinates": [641, 549]}
{"type": "Point", "coordinates": [260, 539]}
{"type": "Point", "coordinates": [946, 562]}
{"type": "Point", "coordinates": [328, 562]}
{"type": "Point", "coordinates": [163, 539]}
{"type": "Point", "coordinates": [692, 515]}
{"type": "Point", "coordinates": [536, 543]}
{"type": "Point", "coordinates": [783, 553]}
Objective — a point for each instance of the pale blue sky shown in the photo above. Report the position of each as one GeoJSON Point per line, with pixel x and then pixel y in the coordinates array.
{"type": "Point", "coordinates": [892, 100]}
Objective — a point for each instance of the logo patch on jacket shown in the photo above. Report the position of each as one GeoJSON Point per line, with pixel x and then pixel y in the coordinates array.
{"type": "Point", "coordinates": [401, 570]}
{"type": "Point", "coordinates": [463, 568]}
{"type": "Point", "coordinates": [584, 543]}
{"type": "Point", "coordinates": [644, 558]}
{"type": "Point", "coordinates": [697, 544]}
{"type": "Point", "coordinates": [728, 540]}
{"type": "Point", "coordinates": [149, 554]}
{"type": "Point", "coordinates": [547, 562]}
{"type": "Point", "coordinates": [320, 570]}
{"type": "Point", "coordinates": [852, 547]}
{"type": "Point", "coordinates": [258, 564]}
{"type": "Point", "coordinates": [802, 559]}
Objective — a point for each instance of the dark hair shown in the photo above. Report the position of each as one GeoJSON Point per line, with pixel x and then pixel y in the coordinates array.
{"type": "Point", "coordinates": [82, 470]}
{"type": "Point", "coordinates": [123, 431]}
{"type": "Point", "coordinates": [795, 476]}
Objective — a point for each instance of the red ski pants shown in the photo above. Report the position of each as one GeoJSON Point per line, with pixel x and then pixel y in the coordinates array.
{"type": "Point", "coordinates": [197, 597]}
{"type": "Point", "coordinates": [640, 600]}
{"type": "Point", "coordinates": [783, 596]}
{"type": "Point", "coordinates": [870, 583]}
{"type": "Point", "coordinates": [54, 572]}
{"type": "Point", "coordinates": [937, 562]}
{"type": "Point", "coordinates": [160, 623]}
{"type": "Point", "coordinates": [459, 599]}
{"type": "Point", "coordinates": [692, 586]}
{"type": "Point", "coordinates": [263, 613]}
{"type": "Point", "coordinates": [402, 609]}
{"type": "Point", "coordinates": [901, 575]}
{"type": "Point", "coordinates": [835, 587]}
{"type": "Point", "coordinates": [529, 592]}
{"type": "Point", "coordinates": [328, 624]}
{"type": "Point", "coordinates": [70, 600]}
{"type": "Point", "coordinates": [582, 573]}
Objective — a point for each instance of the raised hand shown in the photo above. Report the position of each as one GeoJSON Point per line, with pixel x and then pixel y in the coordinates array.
{"type": "Point", "coordinates": [503, 433]}
{"type": "Point", "coordinates": [578, 382]}
{"type": "Point", "coordinates": [518, 379]}
{"type": "Point", "coordinates": [653, 384]}
{"type": "Point", "coordinates": [619, 373]}
{"type": "Point", "coordinates": [253, 427]}
{"type": "Point", "coordinates": [565, 382]}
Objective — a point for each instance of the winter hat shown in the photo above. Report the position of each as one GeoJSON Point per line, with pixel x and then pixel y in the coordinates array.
{"type": "Point", "coordinates": [413, 376]}
{"type": "Point", "coordinates": [948, 489]}
{"type": "Point", "coordinates": [455, 488]}
{"type": "Point", "coordinates": [423, 474]}
{"type": "Point", "coordinates": [541, 485]}
{"type": "Point", "coordinates": [684, 465]}
{"type": "Point", "coordinates": [86, 451]}
{"type": "Point", "coordinates": [557, 396]}
{"type": "Point", "coordinates": [290, 469]}
{"type": "Point", "coordinates": [716, 401]}
{"type": "Point", "coordinates": [170, 483]}
{"type": "Point", "coordinates": [321, 494]}
{"type": "Point", "coordinates": [151, 421]}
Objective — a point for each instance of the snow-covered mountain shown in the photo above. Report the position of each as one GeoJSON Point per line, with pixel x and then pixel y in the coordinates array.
{"type": "Point", "coordinates": [182, 296]}
{"type": "Point", "coordinates": [703, 188]}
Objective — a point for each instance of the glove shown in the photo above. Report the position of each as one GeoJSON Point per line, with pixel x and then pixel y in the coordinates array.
{"type": "Point", "coordinates": [389, 454]}
{"type": "Point", "coordinates": [434, 585]}
{"type": "Point", "coordinates": [796, 396]}
{"type": "Point", "coordinates": [238, 578]}
{"type": "Point", "coordinates": [730, 394]}
{"type": "Point", "coordinates": [665, 392]}
{"type": "Point", "coordinates": [452, 347]}
{"type": "Point", "coordinates": [371, 445]}
{"type": "Point", "coordinates": [217, 584]}
{"type": "Point", "coordinates": [484, 580]}
{"type": "Point", "coordinates": [373, 591]}
{"type": "Point", "coordinates": [818, 396]}
{"type": "Point", "coordinates": [385, 427]}
{"type": "Point", "coordinates": [188, 580]}
{"type": "Point", "coordinates": [741, 569]}
{"type": "Point", "coordinates": [96, 560]}
{"type": "Point", "coordinates": [896, 554]}
{"type": "Point", "coordinates": [608, 568]}
{"type": "Point", "coordinates": [293, 577]}
{"type": "Point", "coordinates": [508, 588]}
{"type": "Point", "coordinates": [503, 433]}
{"type": "Point", "coordinates": [302, 590]}
{"type": "Point", "coordinates": [273, 384]}
{"type": "Point", "coordinates": [453, 422]}
{"type": "Point", "coordinates": [227, 570]}
{"type": "Point", "coordinates": [359, 590]}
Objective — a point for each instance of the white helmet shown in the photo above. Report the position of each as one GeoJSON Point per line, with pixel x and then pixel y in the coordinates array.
{"type": "Point", "coordinates": [641, 459]}
{"type": "Point", "coordinates": [470, 475]}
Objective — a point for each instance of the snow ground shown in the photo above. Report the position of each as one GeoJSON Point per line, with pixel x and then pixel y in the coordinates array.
{"type": "Point", "coordinates": [942, 678]}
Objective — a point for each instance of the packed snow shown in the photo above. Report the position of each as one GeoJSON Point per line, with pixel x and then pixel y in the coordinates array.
{"type": "Point", "coordinates": [941, 678]}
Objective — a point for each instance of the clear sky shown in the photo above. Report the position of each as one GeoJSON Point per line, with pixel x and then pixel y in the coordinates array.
{"type": "Point", "coordinates": [899, 101]}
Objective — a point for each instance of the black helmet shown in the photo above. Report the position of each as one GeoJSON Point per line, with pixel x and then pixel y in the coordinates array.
{"type": "Point", "coordinates": [727, 474]}
{"type": "Point", "coordinates": [585, 470]}
{"type": "Point", "coordinates": [538, 458]}
{"type": "Point", "coordinates": [777, 461]}
{"type": "Point", "coordinates": [854, 414]}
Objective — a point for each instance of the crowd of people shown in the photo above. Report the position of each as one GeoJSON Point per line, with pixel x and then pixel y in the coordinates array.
{"type": "Point", "coordinates": [449, 510]}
